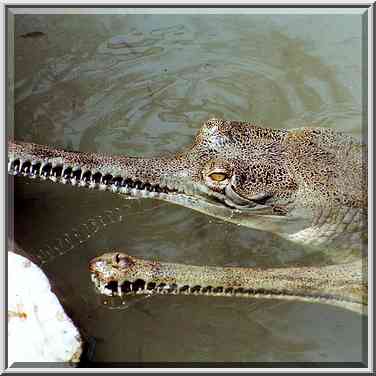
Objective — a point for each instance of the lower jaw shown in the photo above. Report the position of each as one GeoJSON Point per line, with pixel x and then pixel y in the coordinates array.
{"type": "Point", "coordinates": [121, 295]}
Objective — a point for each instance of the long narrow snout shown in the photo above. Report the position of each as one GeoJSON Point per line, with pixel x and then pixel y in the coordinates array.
{"type": "Point", "coordinates": [344, 285]}
{"type": "Point", "coordinates": [128, 175]}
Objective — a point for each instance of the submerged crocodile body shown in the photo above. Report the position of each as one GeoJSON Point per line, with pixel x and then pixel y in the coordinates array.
{"type": "Point", "coordinates": [307, 185]}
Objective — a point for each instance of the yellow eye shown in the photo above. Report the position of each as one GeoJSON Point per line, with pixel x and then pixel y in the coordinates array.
{"type": "Point", "coordinates": [218, 176]}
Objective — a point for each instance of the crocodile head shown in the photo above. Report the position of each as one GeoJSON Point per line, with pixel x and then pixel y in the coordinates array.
{"type": "Point", "coordinates": [284, 181]}
{"type": "Point", "coordinates": [117, 274]}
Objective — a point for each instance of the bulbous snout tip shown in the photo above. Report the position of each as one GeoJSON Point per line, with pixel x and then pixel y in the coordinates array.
{"type": "Point", "coordinates": [96, 265]}
{"type": "Point", "coordinates": [92, 266]}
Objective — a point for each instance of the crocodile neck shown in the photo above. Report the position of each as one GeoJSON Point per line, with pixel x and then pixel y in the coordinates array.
{"type": "Point", "coordinates": [335, 227]}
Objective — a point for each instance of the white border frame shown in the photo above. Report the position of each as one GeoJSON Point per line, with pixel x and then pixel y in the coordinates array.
{"type": "Point", "coordinates": [172, 3]}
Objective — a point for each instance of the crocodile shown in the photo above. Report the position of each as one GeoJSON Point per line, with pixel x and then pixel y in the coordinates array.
{"type": "Point", "coordinates": [117, 274]}
{"type": "Point", "coordinates": [307, 185]}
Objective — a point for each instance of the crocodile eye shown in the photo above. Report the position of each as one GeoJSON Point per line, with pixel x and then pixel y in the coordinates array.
{"type": "Point", "coordinates": [218, 176]}
{"type": "Point", "coordinates": [117, 258]}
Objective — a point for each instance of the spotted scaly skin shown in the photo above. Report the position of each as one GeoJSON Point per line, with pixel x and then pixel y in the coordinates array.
{"type": "Point", "coordinates": [308, 185]}
{"type": "Point", "coordinates": [339, 285]}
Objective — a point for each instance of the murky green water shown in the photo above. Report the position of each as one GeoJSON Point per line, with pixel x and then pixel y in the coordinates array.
{"type": "Point", "coordinates": [142, 84]}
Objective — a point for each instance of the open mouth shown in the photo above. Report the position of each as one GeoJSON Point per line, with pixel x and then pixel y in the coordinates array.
{"type": "Point", "coordinates": [142, 287]}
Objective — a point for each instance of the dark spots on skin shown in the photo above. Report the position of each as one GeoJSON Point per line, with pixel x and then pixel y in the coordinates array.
{"type": "Point", "coordinates": [279, 210]}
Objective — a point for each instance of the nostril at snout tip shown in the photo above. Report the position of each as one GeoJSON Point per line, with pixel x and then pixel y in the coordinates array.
{"type": "Point", "coordinates": [92, 266]}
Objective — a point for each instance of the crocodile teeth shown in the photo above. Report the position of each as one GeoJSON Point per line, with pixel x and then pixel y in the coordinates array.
{"type": "Point", "coordinates": [76, 176]}
{"type": "Point", "coordinates": [125, 190]}
{"type": "Point", "coordinates": [114, 189]}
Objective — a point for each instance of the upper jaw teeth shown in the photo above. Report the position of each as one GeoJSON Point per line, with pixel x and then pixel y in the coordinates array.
{"type": "Point", "coordinates": [76, 176]}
